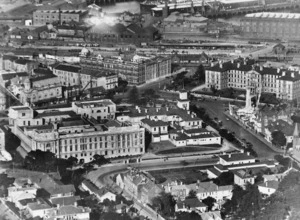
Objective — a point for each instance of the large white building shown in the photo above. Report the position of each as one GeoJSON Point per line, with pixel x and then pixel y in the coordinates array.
{"type": "Point", "coordinates": [237, 74]}
{"type": "Point", "coordinates": [67, 134]}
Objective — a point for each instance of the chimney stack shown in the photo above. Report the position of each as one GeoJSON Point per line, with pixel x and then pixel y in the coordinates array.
{"type": "Point", "coordinates": [238, 65]}
{"type": "Point", "coordinates": [261, 68]}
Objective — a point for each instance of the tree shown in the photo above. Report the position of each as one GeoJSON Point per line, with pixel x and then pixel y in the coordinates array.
{"type": "Point", "coordinates": [209, 201]}
{"type": "Point", "coordinates": [133, 96]}
{"type": "Point", "coordinates": [278, 138]}
{"type": "Point", "coordinates": [165, 204]}
{"type": "Point", "coordinates": [100, 160]}
{"type": "Point", "coordinates": [188, 216]}
{"type": "Point", "coordinates": [225, 179]}
{"type": "Point", "coordinates": [192, 194]}
{"type": "Point", "coordinates": [200, 73]}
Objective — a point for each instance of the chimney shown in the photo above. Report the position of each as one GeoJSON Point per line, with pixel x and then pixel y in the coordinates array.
{"type": "Point", "coordinates": [283, 73]}
{"type": "Point", "coordinates": [167, 108]}
{"type": "Point", "coordinates": [267, 183]}
{"type": "Point", "coordinates": [278, 70]}
{"type": "Point", "coordinates": [211, 64]}
{"type": "Point", "coordinates": [261, 68]}
{"type": "Point", "coordinates": [292, 75]}
{"type": "Point", "coordinates": [232, 61]}
{"type": "Point", "coordinates": [146, 110]}
{"type": "Point", "coordinates": [221, 65]}
{"type": "Point", "coordinates": [229, 155]}
{"type": "Point", "coordinates": [248, 153]}
{"type": "Point", "coordinates": [238, 65]}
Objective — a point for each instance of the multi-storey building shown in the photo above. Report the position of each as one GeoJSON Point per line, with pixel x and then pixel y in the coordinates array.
{"type": "Point", "coordinates": [10, 62]}
{"type": "Point", "coordinates": [98, 109]}
{"type": "Point", "coordinates": [46, 88]}
{"type": "Point", "coordinates": [87, 78]}
{"type": "Point", "coordinates": [66, 134]}
{"type": "Point", "coordinates": [136, 71]}
{"type": "Point", "coordinates": [284, 83]}
{"type": "Point", "coordinates": [271, 25]}
{"type": "Point", "coordinates": [69, 75]}
{"type": "Point", "coordinates": [42, 17]}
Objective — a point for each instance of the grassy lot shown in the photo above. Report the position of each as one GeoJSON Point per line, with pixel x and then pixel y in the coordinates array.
{"type": "Point", "coordinates": [185, 175]}
{"type": "Point", "coordinates": [180, 150]}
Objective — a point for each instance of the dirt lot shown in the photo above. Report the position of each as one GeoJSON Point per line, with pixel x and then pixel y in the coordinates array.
{"type": "Point", "coordinates": [185, 175]}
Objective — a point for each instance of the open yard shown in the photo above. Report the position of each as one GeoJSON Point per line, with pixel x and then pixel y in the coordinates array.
{"type": "Point", "coordinates": [179, 150]}
{"type": "Point", "coordinates": [185, 175]}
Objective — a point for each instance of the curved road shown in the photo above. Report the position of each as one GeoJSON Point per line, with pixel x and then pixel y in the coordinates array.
{"type": "Point", "coordinates": [102, 176]}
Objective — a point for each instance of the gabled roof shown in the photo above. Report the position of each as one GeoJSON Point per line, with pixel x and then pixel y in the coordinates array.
{"type": "Point", "coordinates": [10, 76]}
{"type": "Point", "coordinates": [61, 189]}
{"type": "Point", "coordinates": [273, 184]}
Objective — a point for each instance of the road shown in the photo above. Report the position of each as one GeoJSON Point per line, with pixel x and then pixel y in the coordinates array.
{"type": "Point", "coordinates": [216, 109]}
{"type": "Point", "coordinates": [102, 176]}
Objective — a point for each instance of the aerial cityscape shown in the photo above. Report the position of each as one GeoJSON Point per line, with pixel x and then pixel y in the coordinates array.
{"type": "Point", "coordinates": [149, 109]}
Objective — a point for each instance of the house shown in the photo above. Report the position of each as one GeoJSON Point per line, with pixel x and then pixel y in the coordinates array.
{"type": "Point", "coordinates": [122, 208]}
{"type": "Point", "coordinates": [68, 212]}
{"type": "Point", "coordinates": [268, 187]}
{"type": "Point", "coordinates": [139, 185]}
{"type": "Point", "coordinates": [189, 205]}
{"type": "Point", "coordinates": [209, 189]}
{"type": "Point", "coordinates": [234, 159]}
{"type": "Point", "coordinates": [101, 194]}
{"type": "Point", "coordinates": [38, 208]}
{"type": "Point", "coordinates": [202, 189]}
{"type": "Point", "coordinates": [243, 176]}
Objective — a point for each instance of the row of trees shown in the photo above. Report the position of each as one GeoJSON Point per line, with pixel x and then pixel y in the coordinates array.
{"type": "Point", "coordinates": [248, 203]}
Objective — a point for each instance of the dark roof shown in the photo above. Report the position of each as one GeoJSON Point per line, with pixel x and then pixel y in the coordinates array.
{"type": "Point", "coordinates": [24, 202]}
{"type": "Point", "coordinates": [55, 113]}
{"type": "Point", "coordinates": [69, 200]}
{"type": "Point", "coordinates": [42, 71]}
{"type": "Point", "coordinates": [118, 28]}
{"type": "Point", "coordinates": [153, 123]}
{"type": "Point", "coordinates": [39, 78]}
{"type": "Point", "coordinates": [112, 123]}
{"type": "Point", "coordinates": [10, 57]}
{"type": "Point", "coordinates": [196, 130]}
{"type": "Point", "coordinates": [191, 203]}
{"type": "Point", "coordinates": [135, 28]}
{"type": "Point", "coordinates": [69, 68]}
{"type": "Point", "coordinates": [74, 121]}
{"type": "Point", "coordinates": [91, 186]}
{"type": "Point", "coordinates": [236, 157]}
{"type": "Point", "coordinates": [23, 61]}
{"type": "Point", "coordinates": [97, 73]}
{"type": "Point", "coordinates": [9, 76]}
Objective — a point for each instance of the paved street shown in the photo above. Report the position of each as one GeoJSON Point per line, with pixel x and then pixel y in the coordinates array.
{"type": "Point", "coordinates": [216, 109]}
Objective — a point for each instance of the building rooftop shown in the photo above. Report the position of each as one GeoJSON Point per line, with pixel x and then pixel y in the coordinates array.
{"type": "Point", "coordinates": [154, 123]}
{"type": "Point", "coordinates": [40, 204]}
{"type": "Point", "coordinates": [274, 15]}
{"type": "Point", "coordinates": [94, 103]}
{"type": "Point", "coordinates": [9, 76]}
{"type": "Point", "coordinates": [236, 157]}
{"type": "Point", "coordinates": [62, 201]}
{"type": "Point", "coordinates": [244, 173]}
{"type": "Point", "coordinates": [68, 68]}
{"type": "Point", "coordinates": [45, 77]}
{"type": "Point", "coordinates": [191, 203]}
{"type": "Point", "coordinates": [273, 184]}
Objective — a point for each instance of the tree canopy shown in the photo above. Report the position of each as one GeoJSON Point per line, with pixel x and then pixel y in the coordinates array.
{"type": "Point", "coordinates": [209, 201]}
{"type": "Point", "coordinates": [164, 203]}
{"type": "Point", "coordinates": [134, 96]}
{"type": "Point", "coordinates": [278, 138]}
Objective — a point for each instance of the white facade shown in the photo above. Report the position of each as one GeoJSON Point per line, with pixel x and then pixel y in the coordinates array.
{"type": "Point", "coordinates": [99, 109]}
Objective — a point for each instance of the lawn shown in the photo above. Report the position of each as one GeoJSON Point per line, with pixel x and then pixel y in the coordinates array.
{"type": "Point", "coordinates": [180, 150]}
{"type": "Point", "coordinates": [185, 175]}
